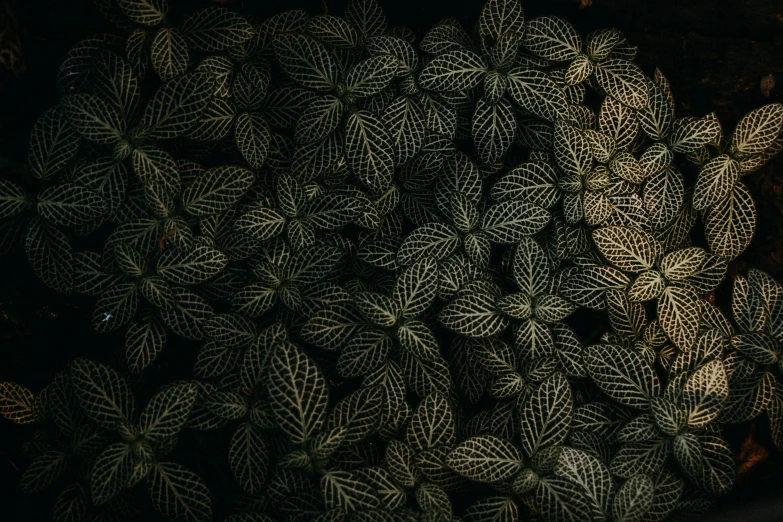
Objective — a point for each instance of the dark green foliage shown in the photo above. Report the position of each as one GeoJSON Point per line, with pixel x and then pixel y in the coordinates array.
{"type": "Point", "coordinates": [378, 249]}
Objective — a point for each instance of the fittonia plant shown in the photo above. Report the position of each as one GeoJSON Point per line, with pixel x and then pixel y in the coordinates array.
{"type": "Point", "coordinates": [376, 248]}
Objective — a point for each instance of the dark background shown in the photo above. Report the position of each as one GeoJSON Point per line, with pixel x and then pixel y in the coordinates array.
{"type": "Point", "coordinates": [719, 55]}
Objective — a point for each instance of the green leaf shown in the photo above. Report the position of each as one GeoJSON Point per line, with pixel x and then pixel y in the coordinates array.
{"type": "Point", "coordinates": [404, 118]}
{"type": "Point", "coordinates": [16, 403]}
{"type": "Point", "coordinates": [367, 16]}
{"type": "Point", "coordinates": [53, 143]}
{"type": "Point", "coordinates": [369, 77]}
{"type": "Point", "coordinates": [50, 254]}
{"type": "Point", "coordinates": [586, 286]}
{"type": "Point", "coordinates": [216, 29]}
{"type": "Point", "coordinates": [534, 181]}
{"type": "Point", "coordinates": [622, 374]}
{"type": "Point", "coordinates": [691, 134]}
{"type": "Point", "coordinates": [176, 106]}
{"type": "Point", "coordinates": [115, 307]}
{"type": "Point", "coordinates": [111, 472]}
{"type": "Point", "coordinates": [250, 84]}
{"type": "Point", "coordinates": [747, 305]}
{"type": "Point", "coordinates": [332, 326]}
{"type": "Point", "coordinates": [718, 468]}
{"type": "Point", "coordinates": [378, 308]}
{"type": "Point", "coordinates": [500, 17]}
{"type": "Point", "coordinates": [552, 38]}
{"type": "Point", "coordinates": [307, 61]}
{"type": "Point", "coordinates": [103, 394]}
{"type": "Point", "coordinates": [216, 121]}
{"type": "Point", "coordinates": [628, 249]}
{"type": "Point", "coordinates": [93, 118]}
{"type": "Point", "coordinates": [13, 199]}
{"type": "Point", "coordinates": [166, 413]}
{"type": "Point", "coordinates": [536, 93]}
{"type": "Point", "coordinates": [247, 457]}
{"type": "Point", "coordinates": [143, 343]}
{"type": "Point", "coordinates": [179, 494]}
{"type": "Point", "coordinates": [115, 81]}
{"type": "Point", "coordinates": [434, 240]}
{"type": "Point", "coordinates": [297, 393]}
{"type": "Point", "coordinates": [572, 149]}
{"type": "Point", "coordinates": [485, 459]}
{"type": "Point", "coordinates": [682, 264]}
{"type": "Point", "coordinates": [716, 181]}
{"type": "Point", "coordinates": [664, 194]}
{"type": "Point", "coordinates": [344, 490]}
{"type": "Point", "coordinates": [493, 129]}
{"type": "Point", "coordinates": [196, 266]}
{"type": "Point", "coordinates": [187, 314]}
{"type": "Point", "coordinates": [771, 293]}
{"type": "Point", "coordinates": [333, 31]}
{"type": "Point", "coordinates": [253, 139]}
{"type": "Point", "coordinates": [705, 393]}
{"type": "Point", "coordinates": [453, 71]}
{"type": "Point", "coordinates": [547, 412]}
{"type": "Point", "coordinates": [42, 471]}
{"type": "Point", "coordinates": [730, 224]}
{"type": "Point", "coordinates": [431, 425]}
{"type": "Point", "coordinates": [157, 168]}
{"type": "Point", "coordinates": [444, 38]}
{"type": "Point", "coordinates": [473, 314]}
{"type": "Point", "coordinates": [560, 500]}
{"type": "Point", "coordinates": [319, 119]}
{"type": "Point", "coordinates": [146, 12]}
{"type": "Point", "coordinates": [333, 211]}
{"type": "Point", "coordinates": [416, 288]}
{"type": "Point", "coordinates": [508, 222]}
{"type": "Point", "coordinates": [364, 353]}
{"type": "Point", "coordinates": [678, 313]}
{"type": "Point", "coordinates": [624, 81]}
{"type": "Point", "coordinates": [358, 415]}
{"type": "Point", "coordinates": [169, 53]}
{"type": "Point", "coordinates": [590, 474]}
{"type": "Point", "coordinates": [68, 204]}
{"type": "Point", "coordinates": [369, 150]}
{"type": "Point", "coordinates": [633, 500]}
{"type": "Point", "coordinates": [227, 405]}
{"type": "Point", "coordinates": [757, 130]}
{"type": "Point", "coordinates": [640, 457]}
{"type": "Point", "coordinates": [417, 339]}
{"type": "Point", "coordinates": [261, 223]}
{"type": "Point", "coordinates": [216, 190]}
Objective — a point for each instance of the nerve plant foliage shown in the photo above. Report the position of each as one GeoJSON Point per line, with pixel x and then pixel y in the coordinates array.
{"type": "Point", "coordinates": [377, 245]}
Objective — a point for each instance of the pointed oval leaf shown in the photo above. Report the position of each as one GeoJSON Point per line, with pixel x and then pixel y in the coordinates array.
{"type": "Point", "coordinates": [178, 493]}
{"type": "Point", "coordinates": [297, 393]}
{"type": "Point", "coordinates": [622, 374]}
{"type": "Point", "coordinates": [485, 459]}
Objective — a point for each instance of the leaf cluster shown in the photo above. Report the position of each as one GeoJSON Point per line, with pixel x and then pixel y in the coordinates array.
{"type": "Point", "coordinates": [377, 248]}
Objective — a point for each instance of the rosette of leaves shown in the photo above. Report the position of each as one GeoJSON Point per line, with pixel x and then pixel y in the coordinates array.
{"type": "Point", "coordinates": [155, 269]}
{"type": "Point", "coordinates": [386, 339]}
{"type": "Point", "coordinates": [678, 420]}
{"type": "Point", "coordinates": [602, 192]}
{"type": "Point", "coordinates": [493, 65]}
{"type": "Point", "coordinates": [535, 311]}
{"type": "Point", "coordinates": [603, 59]}
{"type": "Point", "coordinates": [349, 66]}
{"type": "Point", "coordinates": [676, 279]}
{"type": "Point", "coordinates": [728, 210]}
{"type": "Point", "coordinates": [90, 423]}
{"type": "Point", "coordinates": [753, 358]}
